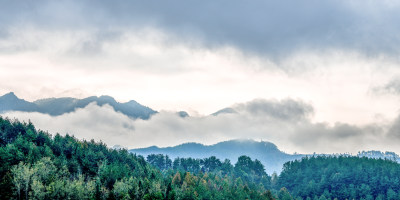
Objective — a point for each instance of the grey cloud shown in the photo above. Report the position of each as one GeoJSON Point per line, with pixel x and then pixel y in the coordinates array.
{"type": "Point", "coordinates": [92, 122]}
{"type": "Point", "coordinates": [391, 87]}
{"type": "Point", "coordinates": [266, 27]}
{"type": "Point", "coordinates": [168, 129]}
{"type": "Point", "coordinates": [93, 44]}
{"type": "Point", "coordinates": [394, 130]}
{"type": "Point", "coordinates": [287, 109]}
{"type": "Point", "coordinates": [342, 137]}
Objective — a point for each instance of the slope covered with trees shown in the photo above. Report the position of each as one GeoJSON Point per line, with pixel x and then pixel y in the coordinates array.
{"type": "Point", "coordinates": [36, 165]}
{"type": "Point", "coordinates": [342, 177]}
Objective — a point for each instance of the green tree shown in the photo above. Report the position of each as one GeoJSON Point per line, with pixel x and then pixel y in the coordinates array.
{"type": "Point", "coordinates": [284, 194]}
{"type": "Point", "coordinates": [122, 189]}
{"type": "Point", "coordinates": [22, 174]}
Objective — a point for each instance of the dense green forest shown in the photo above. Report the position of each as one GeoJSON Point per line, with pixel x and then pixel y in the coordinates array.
{"type": "Point", "coordinates": [342, 177]}
{"type": "Point", "coordinates": [37, 165]}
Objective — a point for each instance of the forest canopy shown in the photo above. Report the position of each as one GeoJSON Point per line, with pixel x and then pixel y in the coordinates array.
{"type": "Point", "coordinates": [38, 165]}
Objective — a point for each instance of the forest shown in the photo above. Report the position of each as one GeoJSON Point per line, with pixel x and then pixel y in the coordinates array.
{"type": "Point", "coordinates": [38, 165]}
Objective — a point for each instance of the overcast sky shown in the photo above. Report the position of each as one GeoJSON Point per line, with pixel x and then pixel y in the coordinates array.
{"type": "Point", "coordinates": [337, 60]}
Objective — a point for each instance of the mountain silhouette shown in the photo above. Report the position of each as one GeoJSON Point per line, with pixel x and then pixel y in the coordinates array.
{"type": "Point", "coordinates": [268, 153]}
{"type": "Point", "coordinates": [59, 106]}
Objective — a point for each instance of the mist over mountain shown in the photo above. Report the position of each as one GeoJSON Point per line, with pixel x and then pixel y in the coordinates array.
{"type": "Point", "coordinates": [380, 155]}
{"type": "Point", "coordinates": [268, 153]}
{"type": "Point", "coordinates": [224, 111]}
{"type": "Point", "coordinates": [59, 106]}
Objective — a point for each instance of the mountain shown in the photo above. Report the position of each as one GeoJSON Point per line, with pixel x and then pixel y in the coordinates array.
{"type": "Point", "coordinates": [224, 111]}
{"type": "Point", "coordinates": [269, 155]}
{"type": "Point", "coordinates": [59, 106]}
{"type": "Point", "coordinates": [11, 102]}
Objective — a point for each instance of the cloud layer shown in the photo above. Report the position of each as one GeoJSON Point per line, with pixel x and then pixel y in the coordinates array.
{"type": "Point", "coordinates": [181, 55]}
{"type": "Point", "coordinates": [285, 123]}
{"type": "Point", "coordinates": [339, 56]}
{"type": "Point", "coordinates": [265, 27]}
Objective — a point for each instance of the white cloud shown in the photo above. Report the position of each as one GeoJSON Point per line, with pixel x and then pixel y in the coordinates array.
{"type": "Point", "coordinates": [170, 55]}
{"type": "Point", "coordinates": [292, 133]}
{"type": "Point", "coordinates": [146, 67]}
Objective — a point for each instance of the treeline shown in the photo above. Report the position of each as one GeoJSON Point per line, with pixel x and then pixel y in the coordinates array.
{"type": "Point", "coordinates": [36, 165]}
{"type": "Point", "coordinates": [246, 173]}
{"type": "Point", "coordinates": [342, 177]}
{"type": "Point", "coordinates": [378, 154]}
{"type": "Point", "coordinates": [211, 165]}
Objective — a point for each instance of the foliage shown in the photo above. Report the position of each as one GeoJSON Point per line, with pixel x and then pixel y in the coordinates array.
{"type": "Point", "coordinates": [36, 165]}
{"type": "Point", "coordinates": [342, 177]}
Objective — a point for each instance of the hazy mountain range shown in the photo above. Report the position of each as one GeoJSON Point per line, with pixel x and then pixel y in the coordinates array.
{"type": "Point", "coordinates": [268, 153]}
{"type": "Point", "coordinates": [59, 106]}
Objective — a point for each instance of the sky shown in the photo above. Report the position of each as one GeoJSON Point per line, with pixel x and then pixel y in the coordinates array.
{"type": "Point", "coordinates": [307, 75]}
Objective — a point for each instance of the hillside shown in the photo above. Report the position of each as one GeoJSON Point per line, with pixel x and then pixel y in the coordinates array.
{"type": "Point", "coordinates": [269, 155]}
{"type": "Point", "coordinates": [341, 177]}
{"type": "Point", "coordinates": [59, 106]}
{"type": "Point", "coordinates": [37, 165]}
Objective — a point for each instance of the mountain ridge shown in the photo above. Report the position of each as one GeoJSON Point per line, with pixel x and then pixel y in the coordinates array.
{"type": "Point", "coordinates": [58, 106]}
{"type": "Point", "coordinates": [268, 153]}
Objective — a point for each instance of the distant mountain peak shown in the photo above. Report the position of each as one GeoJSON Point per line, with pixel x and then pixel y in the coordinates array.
{"type": "Point", "coordinates": [59, 106]}
{"type": "Point", "coordinates": [183, 114]}
{"type": "Point", "coordinates": [225, 111]}
{"type": "Point", "coordinates": [267, 152]}
{"type": "Point", "coordinates": [107, 98]}
{"type": "Point", "coordinates": [191, 144]}
{"type": "Point", "coordinates": [10, 102]}
{"type": "Point", "coordinates": [248, 141]}
{"type": "Point", "coordinates": [10, 95]}
{"type": "Point", "coordinates": [132, 102]}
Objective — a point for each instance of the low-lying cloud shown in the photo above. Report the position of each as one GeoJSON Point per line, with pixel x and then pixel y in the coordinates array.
{"type": "Point", "coordinates": [286, 123]}
{"type": "Point", "coordinates": [285, 110]}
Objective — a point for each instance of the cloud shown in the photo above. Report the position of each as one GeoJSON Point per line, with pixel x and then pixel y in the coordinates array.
{"type": "Point", "coordinates": [285, 110]}
{"type": "Point", "coordinates": [292, 131]}
{"type": "Point", "coordinates": [390, 87]}
{"type": "Point", "coordinates": [183, 55]}
{"type": "Point", "coordinates": [394, 131]}
{"type": "Point", "coordinates": [265, 27]}
{"type": "Point", "coordinates": [178, 78]}
{"type": "Point", "coordinates": [342, 138]}
{"type": "Point", "coordinates": [92, 122]}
